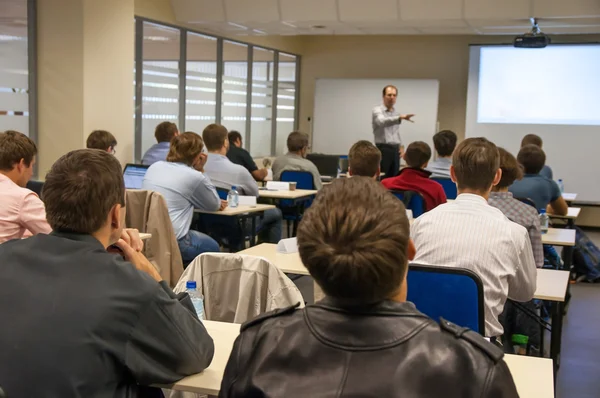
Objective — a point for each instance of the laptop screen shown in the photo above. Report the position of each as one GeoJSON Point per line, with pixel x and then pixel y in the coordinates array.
{"type": "Point", "coordinates": [134, 175]}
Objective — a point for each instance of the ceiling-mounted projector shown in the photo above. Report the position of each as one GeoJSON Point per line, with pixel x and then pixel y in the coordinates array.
{"type": "Point", "coordinates": [533, 39]}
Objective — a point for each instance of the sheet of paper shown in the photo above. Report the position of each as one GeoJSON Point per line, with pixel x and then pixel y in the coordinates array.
{"type": "Point", "coordinates": [278, 185]}
{"type": "Point", "coordinates": [247, 200]}
{"type": "Point", "coordinates": [287, 246]}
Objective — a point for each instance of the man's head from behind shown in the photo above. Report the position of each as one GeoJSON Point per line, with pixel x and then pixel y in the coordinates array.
{"type": "Point", "coordinates": [511, 169]}
{"type": "Point", "coordinates": [17, 156]}
{"type": "Point", "coordinates": [364, 160]}
{"type": "Point", "coordinates": [103, 140]}
{"type": "Point", "coordinates": [165, 132]}
{"type": "Point", "coordinates": [476, 166]}
{"type": "Point", "coordinates": [215, 138]}
{"type": "Point", "coordinates": [185, 148]}
{"type": "Point", "coordinates": [235, 139]}
{"type": "Point", "coordinates": [354, 240]}
{"type": "Point", "coordinates": [444, 142]}
{"type": "Point", "coordinates": [532, 139]}
{"type": "Point", "coordinates": [417, 154]}
{"type": "Point", "coordinates": [533, 158]}
{"type": "Point", "coordinates": [84, 193]}
{"type": "Point", "coordinates": [297, 143]}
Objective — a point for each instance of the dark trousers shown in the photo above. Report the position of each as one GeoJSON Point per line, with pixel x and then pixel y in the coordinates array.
{"type": "Point", "coordinates": [390, 159]}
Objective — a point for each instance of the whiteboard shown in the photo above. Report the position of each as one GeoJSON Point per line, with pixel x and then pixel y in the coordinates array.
{"type": "Point", "coordinates": [343, 108]}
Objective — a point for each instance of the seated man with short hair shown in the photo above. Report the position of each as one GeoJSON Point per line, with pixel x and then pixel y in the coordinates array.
{"type": "Point", "coordinates": [364, 159]}
{"type": "Point", "coordinates": [295, 159]}
{"type": "Point", "coordinates": [184, 185]}
{"type": "Point", "coordinates": [22, 212]}
{"type": "Point", "coordinates": [532, 139]}
{"type": "Point", "coordinates": [79, 321]}
{"type": "Point", "coordinates": [226, 175]}
{"type": "Point", "coordinates": [416, 178]}
{"type": "Point", "coordinates": [103, 140]}
{"type": "Point", "coordinates": [239, 155]}
{"type": "Point", "coordinates": [163, 133]}
{"type": "Point", "coordinates": [363, 339]}
{"type": "Point", "coordinates": [469, 233]}
{"type": "Point", "coordinates": [444, 143]}
{"type": "Point", "coordinates": [543, 192]}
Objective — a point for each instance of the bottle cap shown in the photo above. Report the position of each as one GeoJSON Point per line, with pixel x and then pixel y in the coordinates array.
{"type": "Point", "coordinates": [233, 187]}
{"type": "Point", "coordinates": [542, 211]}
{"type": "Point", "coordinates": [190, 285]}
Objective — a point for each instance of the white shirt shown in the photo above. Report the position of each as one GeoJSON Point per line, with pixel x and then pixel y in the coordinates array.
{"type": "Point", "coordinates": [469, 233]}
{"type": "Point", "coordinates": [386, 125]}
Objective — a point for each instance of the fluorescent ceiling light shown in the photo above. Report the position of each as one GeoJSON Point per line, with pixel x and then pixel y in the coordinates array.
{"type": "Point", "coordinates": [237, 25]}
{"type": "Point", "coordinates": [156, 38]}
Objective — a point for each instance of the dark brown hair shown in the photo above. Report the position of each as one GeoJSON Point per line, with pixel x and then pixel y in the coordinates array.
{"type": "Point", "coordinates": [165, 131]}
{"type": "Point", "coordinates": [511, 169]}
{"type": "Point", "coordinates": [533, 159]}
{"type": "Point", "coordinates": [354, 240]}
{"type": "Point", "coordinates": [532, 139]}
{"type": "Point", "coordinates": [444, 142]}
{"type": "Point", "coordinates": [15, 146]}
{"type": "Point", "coordinates": [297, 141]}
{"type": "Point", "coordinates": [101, 139]}
{"type": "Point", "coordinates": [185, 148]}
{"type": "Point", "coordinates": [233, 136]}
{"type": "Point", "coordinates": [364, 159]}
{"type": "Point", "coordinates": [389, 86]}
{"type": "Point", "coordinates": [214, 136]}
{"type": "Point", "coordinates": [417, 154]}
{"type": "Point", "coordinates": [81, 188]}
{"type": "Point", "coordinates": [476, 161]}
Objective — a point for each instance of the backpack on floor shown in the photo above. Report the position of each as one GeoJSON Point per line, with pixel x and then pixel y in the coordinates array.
{"type": "Point", "coordinates": [586, 257]}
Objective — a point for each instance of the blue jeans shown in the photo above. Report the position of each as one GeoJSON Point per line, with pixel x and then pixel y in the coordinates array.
{"type": "Point", "coordinates": [195, 243]}
{"type": "Point", "coordinates": [269, 230]}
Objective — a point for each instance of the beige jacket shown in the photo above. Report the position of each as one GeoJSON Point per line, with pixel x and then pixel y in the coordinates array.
{"type": "Point", "coordinates": [238, 287]}
{"type": "Point", "coordinates": [147, 211]}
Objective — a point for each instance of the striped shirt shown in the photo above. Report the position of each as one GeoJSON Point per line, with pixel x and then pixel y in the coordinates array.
{"type": "Point", "coordinates": [469, 233]}
{"type": "Point", "coordinates": [524, 215]}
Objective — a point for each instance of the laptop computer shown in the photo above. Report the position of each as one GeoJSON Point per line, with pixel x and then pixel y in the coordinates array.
{"type": "Point", "coordinates": [134, 175]}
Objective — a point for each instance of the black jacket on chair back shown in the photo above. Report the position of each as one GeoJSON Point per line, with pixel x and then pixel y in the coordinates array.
{"type": "Point", "coordinates": [387, 349]}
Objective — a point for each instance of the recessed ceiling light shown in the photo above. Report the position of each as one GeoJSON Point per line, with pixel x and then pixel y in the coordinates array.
{"type": "Point", "coordinates": [319, 27]}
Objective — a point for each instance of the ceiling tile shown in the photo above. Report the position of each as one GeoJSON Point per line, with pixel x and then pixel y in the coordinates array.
{"type": "Point", "coordinates": [390, 31]}
{"type": "Point", "coordinates": [372, 10]}
{"type": "Point", "coordinates": [198, 10]}
{"type": "Point", "coordinates": [447, 31]}
{"type": "Point", "coordinates": [308, 10]}
{"type": "Point", "coordinates": [430, 9]}
{"type": "Point", "coordinates": [574, 30]}
{"type": "Point", "coordinates": [439, 23]}
{"type": "Point", "coordinates": [564, 8]}
{"type": "Point", "coordinates": [483, 9]}
{"type": "Point", "coordinates": [258, 10]}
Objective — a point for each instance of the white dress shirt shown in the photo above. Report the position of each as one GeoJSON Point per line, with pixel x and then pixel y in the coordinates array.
{"type": "Point", "coordinates": [386, 125]}
{"type": "Point", "coordinates": [469, 233]}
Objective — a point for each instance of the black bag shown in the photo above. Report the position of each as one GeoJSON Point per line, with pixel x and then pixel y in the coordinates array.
{"type": "Point", "coordinates": [586, 257]}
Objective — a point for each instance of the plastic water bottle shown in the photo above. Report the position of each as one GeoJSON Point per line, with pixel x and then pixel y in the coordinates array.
{"type": "Point", "coordinates": [544, 220]}
{"type": "Point", "coordinates": [561, 185]}
{"type": "Point", "coordinates": [233, 197]}
{"type": "Point", "coordinates": [196, 297]}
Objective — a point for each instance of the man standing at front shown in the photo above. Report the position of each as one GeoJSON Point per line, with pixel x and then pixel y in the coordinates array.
{"type": "Point", "coordinates": [386, 129]}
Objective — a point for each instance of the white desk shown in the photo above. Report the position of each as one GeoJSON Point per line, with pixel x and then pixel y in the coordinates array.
{"type": "Point", "coordinates": [551, 285]}
{"type": "Point", "coordinates": [533, 376]}
{"type": "Point", "coordinates": [295, 194]}
{"type": "Point", "coordinates": [569, 197]}
{"type": "Point", "coordinates": [559, 237]}
{"type": "Point", "coordinates": [236, 211]}
{"type": "Point", "coordinates": [288, 263]}
{"type": "Point", "coordinates": [572, 213]}
{"type": "Point", "coordinates": [144, 236]}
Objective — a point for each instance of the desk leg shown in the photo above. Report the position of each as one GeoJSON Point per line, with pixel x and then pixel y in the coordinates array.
{"type": "Point", "coordinates": [556, 334]}
{"type": "Point", "coordinates": [570, 223]}
{"type": "Point", "coordinates": [253, 232]}
{"type": "Point", "coordinates": [568, 257]}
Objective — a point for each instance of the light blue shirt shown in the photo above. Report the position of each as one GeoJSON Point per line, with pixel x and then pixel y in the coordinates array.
{"type": "Point", "coordinates": [440, 168]}
{"type": "Point", "coordinates": [537, 188]}
{"type": "Point", "coordinates": [386, 125]}
{"type": "Point", "coordinates": [225, 174]}
{"type": "Point", "coordinates": [156, 153]}
{"type": "Point", "coordinates": [184, 189]}
{"type": "Point", "coordinates": [546, 172]}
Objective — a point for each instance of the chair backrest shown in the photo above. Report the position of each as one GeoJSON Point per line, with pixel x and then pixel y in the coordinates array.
{"type": "Point", "coordinates": [456, 294]}
{"type": "Point", "coordinates": [222, 193]}
{"type": "Point", "coordinates": [35, 186]}
{"type": "Point", "coordinates": [326, 164]}
{"type": "Point", "coordinates": [449, 187]}
{"type": "Point", "coordinates": [343, 164]}
{"type": "Point", "coordinates": [412, 200]}
{"type": "Point", "coordinates": [529, 202]}
{"type": "Point", "coordinates": [303, 179]}
{"type": "Point", "coordinates": [238, 287]}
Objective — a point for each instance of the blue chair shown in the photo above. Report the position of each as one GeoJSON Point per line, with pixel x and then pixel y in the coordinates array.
{"type": "Point", "coordinates": [412, 200]}
{"type": "Point", "coordinates": [293, 210]}
{"type": "Point", "coordinates": [454, 294]}
{"type": "Point", "coordinates": [35, 186]}
{"type": "Point", "coordinates": [449, 187]}
{"type": "Point", "coordinates": [222, 193]}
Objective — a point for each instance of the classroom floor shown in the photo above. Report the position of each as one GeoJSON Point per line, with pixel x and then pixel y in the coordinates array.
{"type": "Point", "coordinates": [578, 376]}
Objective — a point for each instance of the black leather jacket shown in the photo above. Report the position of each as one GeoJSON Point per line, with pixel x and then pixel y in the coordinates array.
{"type": "Point", "coordinates": [384, 350]}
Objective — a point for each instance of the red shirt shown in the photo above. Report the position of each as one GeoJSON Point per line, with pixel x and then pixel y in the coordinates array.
{"type": "Point", "coordinates": [414, 179]}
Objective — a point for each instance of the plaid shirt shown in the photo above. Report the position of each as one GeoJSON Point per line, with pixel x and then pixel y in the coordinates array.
{"type": "Point", "coordinates": [524, 215]}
